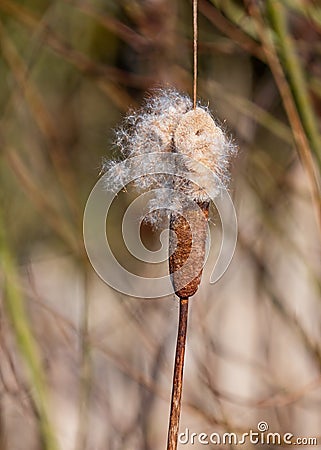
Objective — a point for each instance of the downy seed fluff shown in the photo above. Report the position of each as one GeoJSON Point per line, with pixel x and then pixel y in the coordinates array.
{"type": "Point", "coordinates": [167, 122]}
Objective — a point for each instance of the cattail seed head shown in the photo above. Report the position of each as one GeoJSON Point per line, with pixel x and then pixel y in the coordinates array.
{"type": "Point", "coordinates": [168, 123]}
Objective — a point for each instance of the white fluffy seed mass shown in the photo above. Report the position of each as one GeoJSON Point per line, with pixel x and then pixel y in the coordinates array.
{"type": "Point", "coordinates": [167, 122]}
{"type": "Point", "coordinates": [151, 128]}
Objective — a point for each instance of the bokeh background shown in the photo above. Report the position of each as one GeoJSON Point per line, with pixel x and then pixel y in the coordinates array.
{"type": "Point", "coordinates": [83, 367]}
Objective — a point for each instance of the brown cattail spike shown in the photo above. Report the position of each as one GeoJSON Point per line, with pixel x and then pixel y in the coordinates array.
{"type": "Point", "coordinates": [187, 251]}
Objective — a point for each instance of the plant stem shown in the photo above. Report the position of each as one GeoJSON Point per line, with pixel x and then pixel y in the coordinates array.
{"type": "Point", "coordinates": [295, 120]}
{"type": "Point", "coordinates": [177, 386]}
{"type": "Point", "coordinates": [195, 38]}
{"type": "Point", "coordinates": [14, 304]}
{"type": "Point", "coordinates": [296, 76]}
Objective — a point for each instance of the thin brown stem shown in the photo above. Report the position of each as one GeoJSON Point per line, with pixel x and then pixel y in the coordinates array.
{"type": "Point", "coordinates": [177, 386]}
{"type": "Point", "coordinates": [195, 37]}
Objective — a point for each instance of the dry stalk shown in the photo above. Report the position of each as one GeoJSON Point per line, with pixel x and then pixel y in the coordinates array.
{"type": "Point", "coordinates": [177, 387]}
{"type": "Point", "coordinates": [186, 279]}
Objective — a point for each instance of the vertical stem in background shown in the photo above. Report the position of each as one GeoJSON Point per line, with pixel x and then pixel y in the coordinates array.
{"type": "Point", "coordinates": [296, 75]}
{"type": "Point", "coordinates": [85, 367]}
{"type": "Point", "coordinates": [14, 305]}
{"type": "Point", "coordinates": [299, 133]}
{"type": "Point", "coordinates": [178, 376]}
{"type": "Point", "coordinates": [195, 37]}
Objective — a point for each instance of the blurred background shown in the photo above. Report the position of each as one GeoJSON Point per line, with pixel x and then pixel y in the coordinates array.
{"type": "Point", "coordinates": [83, 367]}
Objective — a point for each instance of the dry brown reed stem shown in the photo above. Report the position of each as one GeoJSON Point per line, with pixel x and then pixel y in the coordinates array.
{"type": "Point", "coordinates": [178, 376]}
{"type": "Point", "coordinates": [195, 38]}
